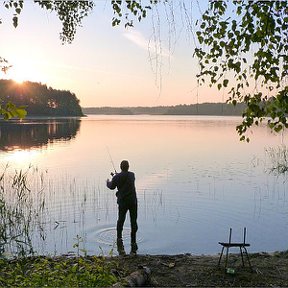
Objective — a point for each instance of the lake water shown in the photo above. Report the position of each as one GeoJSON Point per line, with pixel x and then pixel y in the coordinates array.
{"type": "Point", "coordinates": [194, 180]}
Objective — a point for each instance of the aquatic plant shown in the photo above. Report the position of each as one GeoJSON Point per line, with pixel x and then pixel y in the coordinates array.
{"type": "Point", "coordinates": [77, 245]}
{"type": "Point", "coordinates": [279, 159]}
{"type": "Point", "coordinates": [21, 209]}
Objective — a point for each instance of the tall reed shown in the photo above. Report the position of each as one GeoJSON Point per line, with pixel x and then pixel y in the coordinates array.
{"type": "Point", "coordinates": [279, 159]}
{"type": "Point", "coordinates": [21, 210]}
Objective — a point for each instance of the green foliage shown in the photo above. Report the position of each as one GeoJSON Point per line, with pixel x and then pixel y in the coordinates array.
{"type": "Point", "coordinates": [56, 272]}
{"type": "Point", "coordinates": [70, 13]}
{"type": "Point", "coordinates": [79, 240]}
{"type": "Point", "coordinates": [17, 6]}
{"type": "Point", "coordinates": [128, 8]}
{"type": "Point", "coordinates": [246, 40]}
{"type": "Point", "coordinates": [10, 110]}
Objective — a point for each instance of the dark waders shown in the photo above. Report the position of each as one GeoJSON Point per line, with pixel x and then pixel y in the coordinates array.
{"type": "Point", "coordinates": [123, 208]}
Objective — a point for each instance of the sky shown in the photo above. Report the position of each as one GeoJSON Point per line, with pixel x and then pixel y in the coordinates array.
{"type": "Point", "coordinates": [150, 64]}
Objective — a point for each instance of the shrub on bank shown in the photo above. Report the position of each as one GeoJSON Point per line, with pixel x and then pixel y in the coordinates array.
{"type": "Point", "coordinates": [56, 272]}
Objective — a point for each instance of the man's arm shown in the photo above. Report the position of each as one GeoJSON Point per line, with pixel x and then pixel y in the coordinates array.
{"type": "Point", "coordinates": [111, 184]}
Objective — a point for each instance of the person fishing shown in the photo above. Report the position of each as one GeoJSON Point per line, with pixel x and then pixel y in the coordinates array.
{"type": "Point", "coordinates": [127, 201]}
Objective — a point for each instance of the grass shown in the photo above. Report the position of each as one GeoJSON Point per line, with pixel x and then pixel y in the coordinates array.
{"type": "Point", "coordinates": [61, 271]}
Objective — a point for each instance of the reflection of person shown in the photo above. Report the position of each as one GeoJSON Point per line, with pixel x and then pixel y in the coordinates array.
{"type": "Point", "coordinates": [127, 201]}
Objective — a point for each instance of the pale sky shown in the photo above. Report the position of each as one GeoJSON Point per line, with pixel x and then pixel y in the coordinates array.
{"type": "Point", "coordinates": [105, 65]}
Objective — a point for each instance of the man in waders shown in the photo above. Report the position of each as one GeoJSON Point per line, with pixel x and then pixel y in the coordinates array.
{"type": "Point", "coordinates": [126, 200]}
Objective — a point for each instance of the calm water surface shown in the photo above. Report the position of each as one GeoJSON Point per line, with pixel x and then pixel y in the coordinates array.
{"type": "Point", "coordinates": [194, 180]}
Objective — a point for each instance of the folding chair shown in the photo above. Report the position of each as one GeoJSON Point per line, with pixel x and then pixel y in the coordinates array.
{"type": "Point", "coordinates": [242, 246]}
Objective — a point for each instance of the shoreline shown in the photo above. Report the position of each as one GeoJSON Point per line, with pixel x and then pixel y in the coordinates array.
{"type": "Point", "coordinates": [182, 270]}
{"type": "Point", "coordinates": [185, 270]}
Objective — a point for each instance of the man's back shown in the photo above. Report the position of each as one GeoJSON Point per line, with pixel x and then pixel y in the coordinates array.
{"type": "Point", "coordinates": [125, 183]}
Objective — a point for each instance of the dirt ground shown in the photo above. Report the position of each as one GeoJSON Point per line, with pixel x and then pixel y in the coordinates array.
{"type": "Point", "coordinates": [268, 270]}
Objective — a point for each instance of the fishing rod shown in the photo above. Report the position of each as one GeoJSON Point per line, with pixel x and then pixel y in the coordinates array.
{"type": "Point", "coordinates": [112, 162]}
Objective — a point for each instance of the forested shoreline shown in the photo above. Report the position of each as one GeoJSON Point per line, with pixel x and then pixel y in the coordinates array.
{"type": "Point", "coordinates": [40, 100]}
{"type": "Point", "coordinates": [217, 109]}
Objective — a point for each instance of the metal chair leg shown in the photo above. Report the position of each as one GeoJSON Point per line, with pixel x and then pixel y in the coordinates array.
{"type": "Point", "coordinates": [220, 256]}
{"type": "Point", "coordinates": [227, 255]}
{"type": "Point", "coordinates": [242, 258]}
{"type": "Point", "coordinates": [247, 255]}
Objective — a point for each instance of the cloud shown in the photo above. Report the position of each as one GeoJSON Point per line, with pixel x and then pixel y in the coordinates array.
{"type": "Point", "coordinates": [153, 46]}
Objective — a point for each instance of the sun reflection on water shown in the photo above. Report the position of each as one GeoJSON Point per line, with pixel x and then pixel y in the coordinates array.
{"type": "Point", "coordinates": [22, 157]}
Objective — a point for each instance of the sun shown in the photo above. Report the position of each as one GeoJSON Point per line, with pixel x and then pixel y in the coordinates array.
{"type": "Point", "coordinates": [23, 72]}
{"type": "Point", "coordinates": [19, 79]}
{"type": "Point", "coordinates": [19, 74]}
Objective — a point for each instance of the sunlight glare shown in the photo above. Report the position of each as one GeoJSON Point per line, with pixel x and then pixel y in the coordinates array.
{"type": "Point", "coordinates": [22, 157]}
{"type": "Point", "coordinates": [22, 72]}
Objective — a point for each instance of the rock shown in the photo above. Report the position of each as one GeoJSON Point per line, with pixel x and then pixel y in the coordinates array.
{"type": "Point", "coordinates": [138, 278]}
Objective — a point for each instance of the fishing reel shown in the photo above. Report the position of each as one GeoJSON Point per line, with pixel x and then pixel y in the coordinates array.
{"type": "Point", "coordinates": [113, 173]}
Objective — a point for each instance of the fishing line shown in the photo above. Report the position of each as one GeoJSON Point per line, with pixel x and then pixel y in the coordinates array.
{"type": "Point", "coordinates": [111, 160]}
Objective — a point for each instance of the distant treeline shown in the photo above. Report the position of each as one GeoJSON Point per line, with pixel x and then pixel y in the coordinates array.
{"type": "Point", "coordinates": [216, 109]}
{"type": "Point", "coordinates": [40, 99]}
